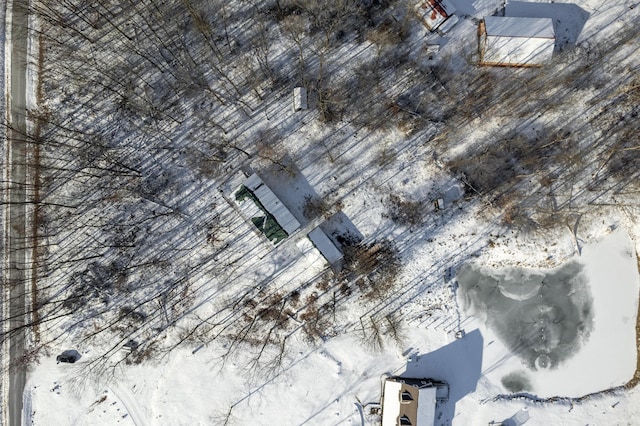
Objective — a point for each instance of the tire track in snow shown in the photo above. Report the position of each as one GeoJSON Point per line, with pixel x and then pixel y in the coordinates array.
{"type": "Point", "coordinates": [130, 404]}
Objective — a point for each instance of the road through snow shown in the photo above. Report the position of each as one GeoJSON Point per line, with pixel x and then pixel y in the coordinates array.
{"type": "Point", "coordinates": [15, 215]}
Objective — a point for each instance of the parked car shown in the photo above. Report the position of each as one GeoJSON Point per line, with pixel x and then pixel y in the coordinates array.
{"type": "Point", "coordinates": [68, 357]}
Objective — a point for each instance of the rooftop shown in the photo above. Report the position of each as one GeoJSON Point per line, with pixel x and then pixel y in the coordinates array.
{"type": "Point", "coordinates": [519, 27]}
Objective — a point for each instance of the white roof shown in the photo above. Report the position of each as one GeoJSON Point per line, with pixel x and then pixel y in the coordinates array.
{"type": "Point", "coordinates": [506, 26]}
{"type": "Point", "coordinates": [325, 245]}
{"type": "Point", "coordinates": [427, 406]}
{"type": "Point", "coordinates": [391, 407]}
{"type": "Point", "coordinates": [517, 41]}
{"type": "Point", "coordinates": [272, 203]}
{"type": "Point", "coordinates": [299, 98]}
{"type": "Point", "coordinates": [426, 413]}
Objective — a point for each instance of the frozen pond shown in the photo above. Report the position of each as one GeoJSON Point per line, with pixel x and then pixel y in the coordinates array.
{"type": "Point", "coordinates": [567, 331]}
{"type": "Point", "coordinates": [543, 316]}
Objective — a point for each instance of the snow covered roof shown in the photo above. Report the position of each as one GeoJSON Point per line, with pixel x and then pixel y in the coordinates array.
{"type": "Point", "coordinates": [325, 245]}
{"type": "Point", "coordinates": [272, 203]}
{"type": "Point", "coordinates": [516, 41]}
{"type": "Point", "coordinates": [416, 404]}
{"type": "Point", "coordinates": [426, 406]}
{"type": "Point", "coordinates": [433, 13]}
{"type": "Point", "coordinates": [507, 26]}
{"type": "Point", "coordinates": [391, 406]}
{"type": "Point", "coordinates": [299, 98]}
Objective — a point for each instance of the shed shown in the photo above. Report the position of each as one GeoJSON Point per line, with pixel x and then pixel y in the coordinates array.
{"type": "Point", "coordinates": [299, 98]}
{"type": "Point", "coordinates": [272, 203]}
{"type": "Point", "coordinates": [433, 13]}
{"type": "Point", "coordinates": [412, 401]}
{"type": "Point", "coordinates": [511, 41]}
{"type": "Point", "coordinates": [325, 246]}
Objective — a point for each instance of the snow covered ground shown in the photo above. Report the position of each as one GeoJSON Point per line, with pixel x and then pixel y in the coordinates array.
{"type": "Point", "coordinates": [327, 378]}
{"type": "Point", "coordinates": [323, 385]}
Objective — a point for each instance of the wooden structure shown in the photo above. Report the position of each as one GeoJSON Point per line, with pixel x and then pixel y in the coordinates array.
{"type": "Point", "coordinates": [434, 14]}
{"type": "Point", "coordinates": [516, 42]}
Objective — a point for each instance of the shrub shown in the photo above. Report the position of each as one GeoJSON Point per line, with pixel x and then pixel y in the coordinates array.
{"type": "Point", "coordinates": [374, 267]}
{"type": "Point", "coordinates": [405, 212]}
{"type": "Point", "coordinates": [314, 207]}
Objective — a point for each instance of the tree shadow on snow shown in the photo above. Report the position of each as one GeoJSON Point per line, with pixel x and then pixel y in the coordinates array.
{"type": "Point", "coordinates": [291, 186]}
{"type": "Point", "coordinates": [341, 230]}
{"type": "Point", "coordinates": [459, 364]}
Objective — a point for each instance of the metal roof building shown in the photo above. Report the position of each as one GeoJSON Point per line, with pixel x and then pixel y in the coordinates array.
{"type": "Point", "coordinates": [325, 246]}
{"type": "Point", "coordinates": [510, 41]}
{"type": "Point", "coordinates": [272, 203]}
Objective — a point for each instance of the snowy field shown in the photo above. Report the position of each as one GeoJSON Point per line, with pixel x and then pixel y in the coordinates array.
{"type": "Point", "coordinates": [323, 385]}
{"type": "Point", "coordinates": [235, 330]}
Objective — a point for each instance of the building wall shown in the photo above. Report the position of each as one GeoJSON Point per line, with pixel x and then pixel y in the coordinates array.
{"type": "Point", "coordinates": [517, 51]}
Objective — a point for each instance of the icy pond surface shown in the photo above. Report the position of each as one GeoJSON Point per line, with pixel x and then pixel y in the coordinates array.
{"type": "Point", "coordinates": [567, 331]}
{"type": "Point", "coordinates": [542, 316]}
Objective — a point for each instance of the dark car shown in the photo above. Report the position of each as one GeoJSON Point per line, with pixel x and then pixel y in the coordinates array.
{"type": "Point", "coordinates": [68, 357]}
